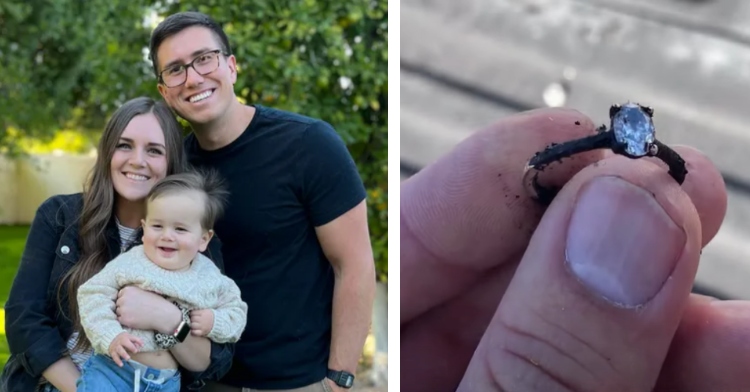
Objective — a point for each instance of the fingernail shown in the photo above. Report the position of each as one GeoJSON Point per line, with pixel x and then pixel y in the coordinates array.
{"type": "Point", "coordinates": [621, 243]}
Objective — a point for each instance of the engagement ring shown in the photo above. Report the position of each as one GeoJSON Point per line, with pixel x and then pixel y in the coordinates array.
{"type": "Point", "coordinates": [631, 134]}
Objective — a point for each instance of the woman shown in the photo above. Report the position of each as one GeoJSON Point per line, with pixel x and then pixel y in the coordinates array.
{"type": "Point", "coordinates": [73, 236]}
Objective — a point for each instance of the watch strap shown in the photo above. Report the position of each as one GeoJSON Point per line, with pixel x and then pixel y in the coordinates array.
{"type": "Point", "coordinates": [341, 378]}
{"type": "Point", "coordinates": [167, 341]}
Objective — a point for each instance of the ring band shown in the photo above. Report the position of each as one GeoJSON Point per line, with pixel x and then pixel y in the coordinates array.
{"type": "Point", "coordinates": [631, 134]}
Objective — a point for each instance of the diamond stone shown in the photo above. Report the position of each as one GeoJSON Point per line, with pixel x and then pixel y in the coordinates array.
{"type": "Point", "coordinates": [633, 127]}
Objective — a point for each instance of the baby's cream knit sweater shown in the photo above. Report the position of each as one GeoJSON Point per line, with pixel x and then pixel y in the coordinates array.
{"type": "Point", "coordinates": [203, 286]}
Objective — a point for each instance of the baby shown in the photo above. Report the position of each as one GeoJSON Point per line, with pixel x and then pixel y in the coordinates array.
{"type": "Point", "coordinates": [180, 213]}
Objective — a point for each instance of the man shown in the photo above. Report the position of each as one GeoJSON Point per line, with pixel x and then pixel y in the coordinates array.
{"type": "Point", "coordinates": [294, 236]}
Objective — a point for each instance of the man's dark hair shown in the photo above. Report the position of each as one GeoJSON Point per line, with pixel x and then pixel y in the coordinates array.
{"type": "Point", "coordinates": [178, 22]}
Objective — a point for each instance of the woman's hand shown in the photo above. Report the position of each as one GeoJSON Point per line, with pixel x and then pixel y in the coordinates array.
{"type": "Point", "coordinates": [146, 310]}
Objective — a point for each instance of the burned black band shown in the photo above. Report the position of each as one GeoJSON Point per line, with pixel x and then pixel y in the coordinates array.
{"type": "Point", "coordinates": [631, 134]}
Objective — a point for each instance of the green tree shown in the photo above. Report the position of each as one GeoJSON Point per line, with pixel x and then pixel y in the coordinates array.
{"type": "Point", "coordinates": [69, 63]}
{"type": "Point", "coordinates": [66, 63]}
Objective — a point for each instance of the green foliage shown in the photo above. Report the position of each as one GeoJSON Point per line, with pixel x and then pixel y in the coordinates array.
{"type": "Point", "coordinates": [12, 240]}
{"type": "Point", "coordinates": [69, 63]}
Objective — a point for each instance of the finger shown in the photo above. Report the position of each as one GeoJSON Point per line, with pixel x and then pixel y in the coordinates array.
{"type": "Point", "coordinates": [137, 342]}
{"type": "Point", "coordinates": [123, 353]}
{"type": "Point", "coordinates": [460, 214]}
{"type": "Point", "coordinates": [114, 354]}
{"type": "Point", "coordinates": [711, 348]}
{"type": "Point", "coordinates": [706, 188]}
{"type": "Point", "coordinates": [129, 345]}
{"type": "Point", "coordinates": [600, 291]}
{"type": "Point", "coordinates": [704, 184]}
{"type": "Point", "coordinates": [435, 349]}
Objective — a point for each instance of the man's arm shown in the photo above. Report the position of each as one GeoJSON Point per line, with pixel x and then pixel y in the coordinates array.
{"type": "Point", "coordinates": [334, 194]}
{"type": "Point", "coordinates": [346, 243]}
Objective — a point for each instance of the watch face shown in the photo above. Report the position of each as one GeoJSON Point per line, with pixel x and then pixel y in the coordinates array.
{"type": "Point", "coordinates": [349, 381]}
{"type": "Point", "coordinates": [182, 332]}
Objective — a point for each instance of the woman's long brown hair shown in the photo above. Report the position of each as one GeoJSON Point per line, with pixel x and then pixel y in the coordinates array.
{"type": "Point", "coordinates": [99, 199]}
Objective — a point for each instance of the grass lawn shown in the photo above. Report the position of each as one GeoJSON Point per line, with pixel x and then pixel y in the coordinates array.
{"type": "Point", "coordinates": [12, 240]}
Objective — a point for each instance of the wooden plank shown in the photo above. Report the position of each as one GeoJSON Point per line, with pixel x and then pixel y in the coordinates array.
{"type": "Point", "coordinates": [698, 85]}
{"type": "Point", "coordinates": [434, 118]}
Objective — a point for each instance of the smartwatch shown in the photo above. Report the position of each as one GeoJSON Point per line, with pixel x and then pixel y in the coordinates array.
{"type": "Point", "coordinates": [167, 341]}
{"type": "Point", "coordinates": [341, 378]}
{"type": "Point", "coordinates": [182, 331]}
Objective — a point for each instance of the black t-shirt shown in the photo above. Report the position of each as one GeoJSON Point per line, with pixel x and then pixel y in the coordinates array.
{"type": "Point", "coordinates": [286, 174]}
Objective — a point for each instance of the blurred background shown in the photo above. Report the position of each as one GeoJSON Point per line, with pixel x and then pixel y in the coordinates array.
{"type": "Point", "coordinates": [466, 64]}
{"type": "Point", "coordinates": [66, 65]}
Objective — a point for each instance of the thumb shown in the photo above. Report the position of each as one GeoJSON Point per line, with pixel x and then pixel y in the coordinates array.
{"type": "Point", "coordinates": [600, 291]}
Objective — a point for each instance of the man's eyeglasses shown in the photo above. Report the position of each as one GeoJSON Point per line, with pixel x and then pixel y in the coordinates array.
{"type": "Point", "coordinates": [204, 64]}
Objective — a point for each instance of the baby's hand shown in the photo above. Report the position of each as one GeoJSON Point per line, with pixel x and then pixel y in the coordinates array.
{"type": "Point", "coordinates": [123, 343]}
{"type": "Point", "coordinates": [201, 321]}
